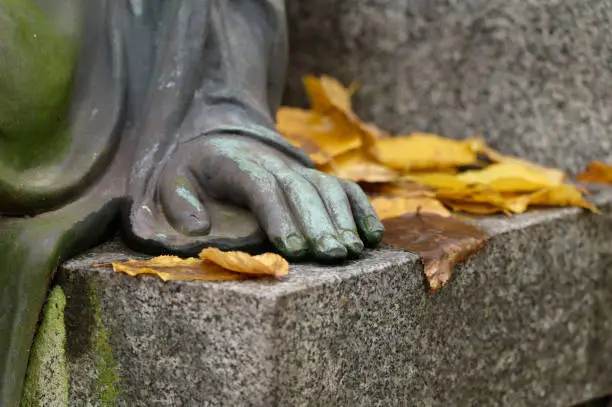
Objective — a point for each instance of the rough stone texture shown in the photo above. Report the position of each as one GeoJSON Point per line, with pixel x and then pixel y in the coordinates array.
{"type": "Point", "coordinates": [526, 322]}
{"type": "Point", "coordinates": [534, 75]}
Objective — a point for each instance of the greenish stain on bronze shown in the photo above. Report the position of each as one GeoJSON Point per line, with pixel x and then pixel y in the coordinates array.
{"type": "Point", "coordinates": [34, 44]}
{"type": "Point", "coordinates": [47, 378]}
{"type": "Point", "coordinates": [189, 197]}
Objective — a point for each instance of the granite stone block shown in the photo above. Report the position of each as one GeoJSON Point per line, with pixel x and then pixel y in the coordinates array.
{"type": "Point", "coordinates": [533, 75]}
{"type": "Point", "coordinates": [525, 322]}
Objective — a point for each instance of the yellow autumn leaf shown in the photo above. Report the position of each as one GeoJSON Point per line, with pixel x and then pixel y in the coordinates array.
{"type": "Point", "coordinates": [213, 265]}
{"type": "Point", "coordinates": [439, 180]}
{"type": "Point", "coordinates": [391, 207]}
{"type": "Point", "coordinates": [424, 151]}
{"type": "Point", "coordinates": [405, 190]}
{"type": "Point", "coordinates": [267, 264]}
{"type": "Point", "coordinates": [509, 177]}
{"type": "Point", "coordinates": [597, 172]}
{"type": "Point", "coordinates": [473, 208]}
{"type": "Point", "coordinates": [509, 187]}
{"type": "Point", "coordinates": [357, 166]}
{"type": "Point", "coordinates": [561, 195]}
{"type": "Point", "coordinates": [375, 132]}
{"type": "Point", "coordinates": [321, 137]}
{"type": "Point", "coordinates": [555, 176]}
{"type": "Point", "coordinates": [175, 268]}
{"type": "Point", "coordinates": [330, 98]}
{"type": "Point", "coordinates": [476, 194]}
{"type": "Point", "coordinates": [327, 94]}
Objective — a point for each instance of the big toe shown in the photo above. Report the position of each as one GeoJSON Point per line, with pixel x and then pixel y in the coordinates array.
{"type": "Point", "coordinates": [183, 207]}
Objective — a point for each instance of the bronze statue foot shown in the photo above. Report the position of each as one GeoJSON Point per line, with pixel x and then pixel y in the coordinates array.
{"type": "Point", "coordinates": [303, 212]}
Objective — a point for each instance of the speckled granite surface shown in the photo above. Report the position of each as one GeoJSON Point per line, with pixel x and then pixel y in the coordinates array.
{"type": "Point", "coordinates": [526, 322]}
{"type": "Point", "coordinates": [534, 75]}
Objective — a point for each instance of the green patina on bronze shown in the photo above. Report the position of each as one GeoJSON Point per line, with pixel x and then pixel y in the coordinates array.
{"type": "Point", "coordinates": [33, 112]}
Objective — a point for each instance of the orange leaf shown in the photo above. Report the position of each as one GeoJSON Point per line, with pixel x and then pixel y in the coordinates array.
{"type": "Point", "coordinates": [405, 190]}
{"type": "Point", "coordinates": [597, 172]}
{"type": "Point", "coordinates": [213, 265]}
{"type": "Point", "coordinates": [357, 166]}
{"type": "Point", "coordinates": [376, 132]}
{"type": "Point", "coordinates": [174, 268]}
{"type": "Point", "coordinates": [322, 137]}
{"type": "Point", "coordinates": [442, 242]}
{"type": "Point", "coordinates": [267, 264]}
{"type": "Point", "coordinates": [329, 97]}
{"type": "Point", "coordinates": [327, 94]}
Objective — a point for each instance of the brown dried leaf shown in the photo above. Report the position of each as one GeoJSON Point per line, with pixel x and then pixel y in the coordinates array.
{"type": "Point", "coordinates": [442, 242]}
{"type": "Point", "coordinates": [597, 172]}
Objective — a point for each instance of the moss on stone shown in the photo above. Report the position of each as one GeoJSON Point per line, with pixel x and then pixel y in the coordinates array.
{"type": "Point", "coordinates": [46, 382]}
{"type": "Point", "coordinates": [107, 379]}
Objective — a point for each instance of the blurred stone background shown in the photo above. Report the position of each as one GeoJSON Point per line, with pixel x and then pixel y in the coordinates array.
{"type": "Point", "coordinates": [534, 75]}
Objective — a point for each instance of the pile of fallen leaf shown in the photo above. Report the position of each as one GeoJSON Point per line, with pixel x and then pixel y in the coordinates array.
{"type": "Point", "coordinates": [414, 182]}
{"type": "Point", "coordinates": [418, 170]}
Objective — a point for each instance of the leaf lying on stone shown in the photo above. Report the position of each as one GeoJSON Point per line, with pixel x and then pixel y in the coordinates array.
{"type": "Point", "coordinates": [509, 177]}
{"type": "Point", "coordinates": [423, 151]}
{"type": "Point", "coordinates": [213, 265]}
{"type": "Point", "coordinates": [442, 242]}
{"type": "Point", "coordinates": [358, 167]}
{"type": "Point", "coordinates": [267, 264]}
{"type": "Point", "coordinates": [597, 172]}
{"type": "Point", "coordinates": [555, 175]}
{"type": "Point", "coordinates": [327, 95]}
{"type": "Point", "coordinates": [391, 207]}
{"type": "Point", "coordinates": [404, 189]}
{"type": "Point", "coordinates": [321, 137]}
